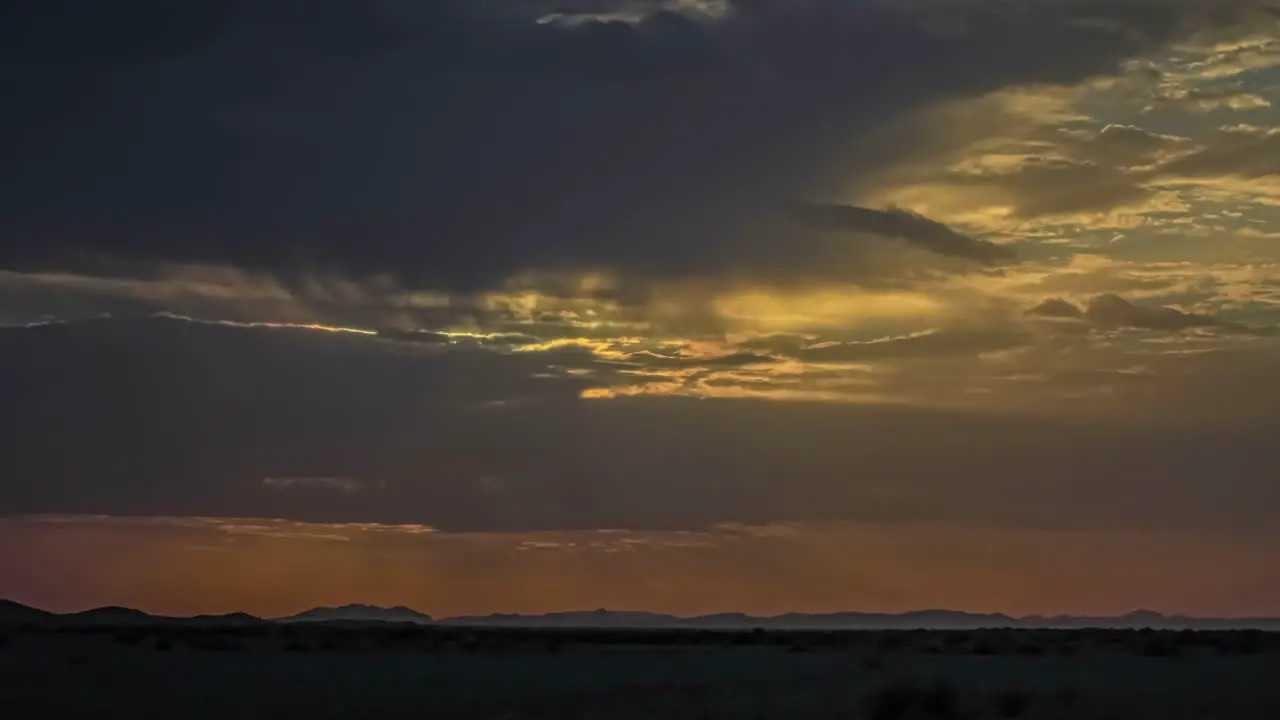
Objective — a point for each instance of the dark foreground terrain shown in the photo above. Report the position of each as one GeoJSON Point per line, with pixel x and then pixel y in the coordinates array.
{"type": "Point", "coordinates": [328, 670]}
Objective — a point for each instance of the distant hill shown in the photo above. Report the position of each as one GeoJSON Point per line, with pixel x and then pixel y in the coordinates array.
{"type": "Point", "coordinates": [359, 613]}
{"type": "Point", "coordinates": [13, 613]}
{"type": "Point", "coordinates": [933, 619]}
{"type": "Point", "coordinates": [915, 620]}
{"type": "Point", "coordinates": [924, 619]}
{"type": "Point", "coordinates": [228, 619]}
{"type": "Point", "coordinates": [584, 619]}
{"type": "Point", "coordinates": [112, 616]}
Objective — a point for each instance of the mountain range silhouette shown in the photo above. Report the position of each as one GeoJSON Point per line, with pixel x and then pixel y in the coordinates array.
{"type": "Point", "coordinates": [13, 613]}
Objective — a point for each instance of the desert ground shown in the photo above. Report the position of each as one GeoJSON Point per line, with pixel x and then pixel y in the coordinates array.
{"type": "Point", "coordinates": [348, 671]}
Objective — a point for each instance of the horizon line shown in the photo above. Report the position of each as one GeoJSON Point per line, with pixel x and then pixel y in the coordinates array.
{"type": "Point", "coordinates": [1137, 612]}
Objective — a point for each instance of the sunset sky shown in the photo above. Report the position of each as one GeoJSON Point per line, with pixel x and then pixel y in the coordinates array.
{"type": "Point", "coordinates": [677, 305]}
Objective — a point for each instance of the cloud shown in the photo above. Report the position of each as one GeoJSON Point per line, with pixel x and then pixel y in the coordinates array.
{"type": "Point", "coordinates": [223, 406]}
{"type": "Point", "coordinates": [455, 145]}
{"type": "Point", "coordinates": [122, 34]}
{"type": "Point", "coordinates": [174, 418]}
{"type": "Point", "coordinates": [648, 359]}
{"type": "Point", "coordinates": [1113, 311]}
{"type": "Point", "coordinates": [1040, 178]}
{"type": "Point", "coordinates": [1204, 101]}
{"type": "Point", "coordinates": [1213, 58]}
{"type": "Point", "coordinates": [1125, 146]}
{"type": "Point", "coordinates": [939, 344]}
{"type": "Point", "coordinates": [342, 485]}
{"type": "Point", "coordinates": [1057, 308]}
{"type": "Point", "coordinates": [1243, 151]}
{"type": "Point", "coordinates": [902, 225]}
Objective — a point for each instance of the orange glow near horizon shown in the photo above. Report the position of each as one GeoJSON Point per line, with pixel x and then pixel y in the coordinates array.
{"type": "Point", "coordinates": [166, 567]}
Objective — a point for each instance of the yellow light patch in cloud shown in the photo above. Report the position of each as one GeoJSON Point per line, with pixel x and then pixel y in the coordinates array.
{"type": "Point", "coordinates": [620, 391]}
{"type": "Point", "coordinates": [605, 349]}
{"type": "Point", "coordinates": [773, 311]}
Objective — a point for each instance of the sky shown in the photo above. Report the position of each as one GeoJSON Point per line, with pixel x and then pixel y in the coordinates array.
{"type": "Point", "coordinates": [676, 305]}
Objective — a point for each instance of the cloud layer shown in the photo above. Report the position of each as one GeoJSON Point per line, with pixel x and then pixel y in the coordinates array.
{"type": "Point", "coordinates": [457, 145]}
{"type": "Point", "coordinates": [364, 274]}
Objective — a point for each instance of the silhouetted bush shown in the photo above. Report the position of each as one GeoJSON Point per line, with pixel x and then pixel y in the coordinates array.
{"type": "Point", "coordinates": [1068, 697]}
{"type": "Point", "coordinates": [890, 641]}
{"type": "Point", "coordinates": [799, 645]}
{"type": "Point", "coordinates": [1160, 647]}
{"type": "Point", "coordinates": [985, 647]}
{"type": "Point", "coordinates": [1248, 642]}
{"type": "Point", "coordinates": [941, 700]}
{"type": "Point", "coordinates": [1012, 703]}
{"type": "Point", "coordinates": [217, 642]}
{"type": "Point", "coordinates": [132, 638]}
{"type": "Point", "coordinates": [904, 698]}
{"type": "Point", "coordinates": [891, 702]}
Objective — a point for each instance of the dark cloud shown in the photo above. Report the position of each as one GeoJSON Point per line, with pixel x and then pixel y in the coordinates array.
{"type": "Point", "coordinates": [141, 414]}
{"type": "Point", "coordinates": [1127, 146]}
{"type": "Point", "coordinates": [1113, 311]}
{"type": "Point", "coordinates": [455, 144]}
{"type": "Point", "coordinates": [1242, 151]}
{"type": "Point", "coordinates": [86, 33]}
{"type": "Point", "coordinates": [1057, 308]}
{"type": "Point", "coordinates": [166, 417]}
{"type": "Point", "coordinates": [902, 225]}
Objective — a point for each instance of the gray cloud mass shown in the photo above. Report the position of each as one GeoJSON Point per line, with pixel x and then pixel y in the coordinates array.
{"type": "Point", "coordinates": [426, 263]}
{"type": "Point", "coordinates": [190, 426]}
{"type": "Point", "coordinates": [457, 144]}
